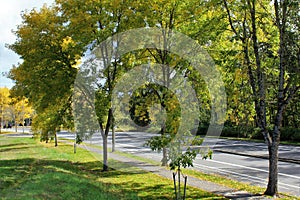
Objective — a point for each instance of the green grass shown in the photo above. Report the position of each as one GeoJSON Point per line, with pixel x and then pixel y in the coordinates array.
{"type": "Point", "coordinates": [224, 181]}
{"type": "Point", "coordinates": [33, 170]}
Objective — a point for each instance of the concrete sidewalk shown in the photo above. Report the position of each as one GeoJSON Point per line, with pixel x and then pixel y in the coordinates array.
{"type": "Point", "coordinates": [204, 185]}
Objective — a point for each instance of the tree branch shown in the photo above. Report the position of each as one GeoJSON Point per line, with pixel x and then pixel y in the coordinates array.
{"type": "Point", "coordinates": [230, 20]}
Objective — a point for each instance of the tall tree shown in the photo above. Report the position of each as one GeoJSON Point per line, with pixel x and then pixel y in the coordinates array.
{"type": "Point", "coordinates": [172, 16]}
{"type": "Point", "coordinates": [251, 27]}
{"type": "Point", "coordinates": [287, 20]}
{"type": "Point", "coordinates": [49, 58]}
{"type": "Point", "coordinates": [102, 19]}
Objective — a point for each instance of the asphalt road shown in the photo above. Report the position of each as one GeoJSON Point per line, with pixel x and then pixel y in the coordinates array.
{"type": "Point", "coordinates": [248, 169]}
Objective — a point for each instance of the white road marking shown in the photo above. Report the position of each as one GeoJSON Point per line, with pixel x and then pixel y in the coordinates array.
{"type": "Point", "coordinates": [252, 168]}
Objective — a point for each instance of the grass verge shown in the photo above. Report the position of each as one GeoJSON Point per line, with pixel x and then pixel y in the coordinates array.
{"type": "Point", "coordinates": [33, 170]}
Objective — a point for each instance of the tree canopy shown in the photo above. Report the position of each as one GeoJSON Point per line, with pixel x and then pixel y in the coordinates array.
{"type": "Point", "coordinates": [254, 44]}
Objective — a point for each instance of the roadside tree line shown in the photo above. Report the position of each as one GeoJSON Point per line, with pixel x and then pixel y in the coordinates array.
{"type": "Point", "coordinates": [255, 45]}
{"type": "Point", "coordinates": [14, 112]}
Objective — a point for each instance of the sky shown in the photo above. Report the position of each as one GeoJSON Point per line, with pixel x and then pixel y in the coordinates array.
{"type": "Point", "coordinates": [10, 17]}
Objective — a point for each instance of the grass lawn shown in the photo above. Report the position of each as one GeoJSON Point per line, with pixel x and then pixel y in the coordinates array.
{"type": "Point", "coordinates": [33, 170]}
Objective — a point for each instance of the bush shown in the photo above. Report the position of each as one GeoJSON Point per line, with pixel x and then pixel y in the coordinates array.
{"type": "Point", "coordinates": [290, 134]}
{"type": "Point", "coordinates": [238, 131]}
{"type": "Point", "coordinates": [229, 130]}
{"type": "Point", "coordinates": [256, 134]}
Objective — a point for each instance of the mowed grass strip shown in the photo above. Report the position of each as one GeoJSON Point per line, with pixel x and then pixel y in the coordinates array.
{"type": "Point", "coordinates": [33, 170]}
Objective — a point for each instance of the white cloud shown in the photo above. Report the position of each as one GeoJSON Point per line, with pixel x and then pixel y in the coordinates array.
{"type": "Point", "coordinates": [10, 17]}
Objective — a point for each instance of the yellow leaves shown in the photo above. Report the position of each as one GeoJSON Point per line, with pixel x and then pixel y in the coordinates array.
{"type": "Point", "coordinates": [77, 62]}
{"type": "Point", "coordinates": [4, 96]}
{"type": "Point", "coordinates": [172, 104]}
{"type": "Point", "coordinates": [115, 3]}
{"type": "Point", "coordinates": [67, 43]}
{"type": "Point", "coordinates": [4, 101]}
{"type": "Point", "coordinates": [238, 74]}
{"type": "Point", "coordinates": [22, 108]}
{"type": "Point", "coordinates": [13, 108]}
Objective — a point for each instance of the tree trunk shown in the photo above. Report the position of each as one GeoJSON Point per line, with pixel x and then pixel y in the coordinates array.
{"type": "Point", "coordinates": [105, 162]}
{"type": "Point", "coordinates": [164, 160]}
{"type": "Point", "coordinates": [104, 134]}
{"type": "Point", "coordinates": [113, 140]}
{"type": "Point", "coordinates": [113, 136]}
{"type": "Point", "coordinates": [23, 128]}
{"type": "Point", "coordinates": [272, 188]}
{"type": "Point", "coordinates": [16, 125]}
{"type": "Point", "coordinates": [55, 138]}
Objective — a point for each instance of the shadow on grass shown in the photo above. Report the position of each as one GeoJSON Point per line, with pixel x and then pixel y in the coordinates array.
{"type": "Point", "coordinates": [12, 145]}
{"type": "Point", "coordinates": [13, 149]}
{"type": "Point", "coordinates": [31, 178]}
{"type": "Point", "coordinates": [55, 179]}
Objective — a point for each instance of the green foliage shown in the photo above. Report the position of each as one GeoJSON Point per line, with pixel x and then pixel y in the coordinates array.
{"type": "Point", "coordinates": [140, 103]}
{"type": "Point", "coordinates": [255, 45]}
{"type": "Point", "coordinates": [291, 134]}
{"type": "Point", "coordinates": [169, 138]}
{"type": "Point", "coordinates": [184, 160]}
{"type": "Point", "coordinates": [157, 143]}
{"type": "Point", "coordinates": [48, 69]}
{"type": "Point", "coordinates": [197, 141]}
{"type": "Point", "coordinates": [150, 95]}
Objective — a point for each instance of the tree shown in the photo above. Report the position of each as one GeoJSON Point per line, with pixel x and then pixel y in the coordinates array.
{"type": "Point", "coordinates": [49, 58]}
{"type": "Point", "coordinates": [287, 21]}
{"type": "Point", "coordinates": [171, 16]}
{"type": "Point", "coordinates": [102, 19]}
{"type": "Point", "coordinates": [18, 111]}
{"type": "Point", "coordinates": [4, 103]}
{"type": "Point", "coordinates": [113, 66]}
{"type": "Point", "coordinates": [250, 27]}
